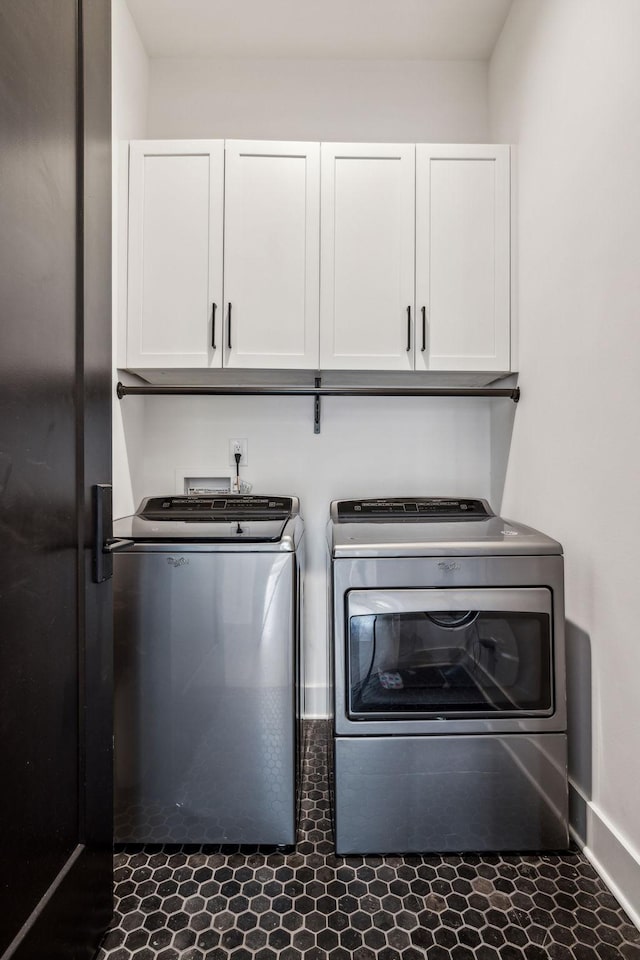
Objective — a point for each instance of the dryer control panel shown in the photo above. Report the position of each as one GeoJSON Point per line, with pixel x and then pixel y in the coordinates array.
{"type": "Point", "coordinates": [394, 509]}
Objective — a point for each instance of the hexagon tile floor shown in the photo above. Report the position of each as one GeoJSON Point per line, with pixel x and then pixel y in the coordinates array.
{"type": "Point", "coordinates": [218, 903]}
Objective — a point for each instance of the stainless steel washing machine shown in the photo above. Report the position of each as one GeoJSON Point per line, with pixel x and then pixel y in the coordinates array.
{"type": "Point", "coordinates": [207, 618]}
{"type": "Point", "coordinates": [448, 679]}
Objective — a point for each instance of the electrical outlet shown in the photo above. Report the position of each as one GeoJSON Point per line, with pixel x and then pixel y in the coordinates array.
{"type": "Point", "coordinates": [241, 447]}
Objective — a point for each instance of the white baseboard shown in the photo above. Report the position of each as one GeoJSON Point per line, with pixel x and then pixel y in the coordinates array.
{"type": "Point", "coordinates": [609, 853]}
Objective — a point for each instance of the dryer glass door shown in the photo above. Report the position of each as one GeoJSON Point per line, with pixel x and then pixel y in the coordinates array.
{"type": "Point", "coordinates": [449, 653]}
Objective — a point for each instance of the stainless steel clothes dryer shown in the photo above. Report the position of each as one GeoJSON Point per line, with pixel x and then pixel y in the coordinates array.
{"type": "Point", "coordinates": [207, 616]}
{"type": "Point", "coordinates": [449, 679]}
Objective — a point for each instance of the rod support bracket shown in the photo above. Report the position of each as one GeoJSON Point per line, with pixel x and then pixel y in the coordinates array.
{"type": "Point", "coordinates": [317, 406]}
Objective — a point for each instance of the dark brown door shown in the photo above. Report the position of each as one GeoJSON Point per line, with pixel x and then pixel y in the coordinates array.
{"type": "Point", "coordinates": [55, 439]}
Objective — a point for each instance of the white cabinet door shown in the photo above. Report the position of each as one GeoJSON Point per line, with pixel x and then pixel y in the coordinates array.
{"type": "Point", "coordinates": [462, 257]}
{"type": "Point", "coordinates": [174, 312]}
{"type": "Point", "coordinates": [271, 254]}
{"type": "Point", "coordinates": [367, 256]}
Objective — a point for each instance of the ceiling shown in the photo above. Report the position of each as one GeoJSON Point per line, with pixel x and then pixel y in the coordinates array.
{"type": "Point", "coordinates": [322, 29]}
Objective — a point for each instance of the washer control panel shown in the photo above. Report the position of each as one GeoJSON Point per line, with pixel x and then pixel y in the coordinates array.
{"type": "Point", "coordinates": [216, 508]}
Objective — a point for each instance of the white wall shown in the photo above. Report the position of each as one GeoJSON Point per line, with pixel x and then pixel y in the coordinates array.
{"type": "Point", "coordinates": [130, 69]}
{"type": "Point", "coordinates": [367, 446]}
{"type": "Point", "coordinates": [565, 87]}
{"type": "Point", "coordinates": [372, 100]}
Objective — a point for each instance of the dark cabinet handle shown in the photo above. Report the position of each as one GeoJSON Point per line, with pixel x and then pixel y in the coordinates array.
{"type": "Point", "coordinates": [213, 325]}
{"type": "Point", "coordinates": [424, 330]}
{"type": "Point", "coordinates": [408, 329]}
{"type": "Point", "coordinates": [229, 326]}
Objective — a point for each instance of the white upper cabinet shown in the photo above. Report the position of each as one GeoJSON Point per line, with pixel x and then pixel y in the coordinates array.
{"type": "Point", "coordinates": [174, 308]}
{"type": "Point", "coordinates": [462, 257]}
{"type": "Point", "coordinates": [337, 256]}
{"type": "Point", "coordinates": [271, 254]}
{"type": "Point", "coordinates": [367, 256]}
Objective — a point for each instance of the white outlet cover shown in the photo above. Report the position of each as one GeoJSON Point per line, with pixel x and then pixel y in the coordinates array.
{"type": "Point", "coordinates": [244, 443]}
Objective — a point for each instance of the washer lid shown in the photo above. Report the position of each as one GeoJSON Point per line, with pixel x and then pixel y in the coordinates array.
{"type": "Point", "coordinates": [395, 536]}
{"type": "Point", "coordinates": [221, 519]}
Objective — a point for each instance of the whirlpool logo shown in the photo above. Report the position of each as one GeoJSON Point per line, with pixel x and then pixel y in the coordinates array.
{"type": "Point", "coordinates": [449, 565]}
{"type": "Point", "coordinates": [177, 561]}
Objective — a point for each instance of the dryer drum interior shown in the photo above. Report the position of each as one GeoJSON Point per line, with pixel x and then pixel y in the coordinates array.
{"type": "Point", "coordinates": [478, 662]}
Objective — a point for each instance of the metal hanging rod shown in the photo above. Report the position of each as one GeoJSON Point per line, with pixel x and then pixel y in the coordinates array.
{"type": "Point", "coordinates": [204, 390]}
{"type": "Point", "coordinates": [317, 391]}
